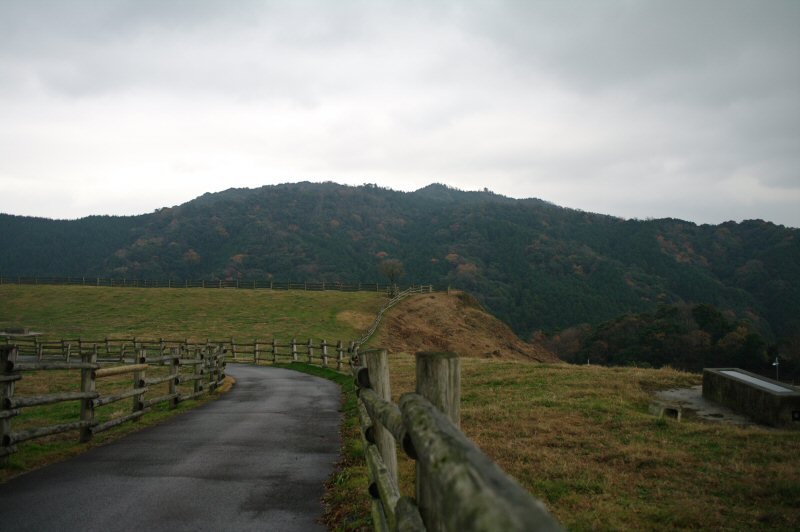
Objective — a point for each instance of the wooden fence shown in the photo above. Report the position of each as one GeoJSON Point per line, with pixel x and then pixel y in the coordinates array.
{"type": "Point", "coordinates": [200, 368]}
{"type": "Point", "coordinates": [321, 353]}
{"type": "Point", "coordinates": [275, 351]}
{"type": "Point", "coordinates": [392, 302]}
{"type": "Point", "coordinates": [203, 283]}
{"type": "Point", "coordinates": [458, 488]}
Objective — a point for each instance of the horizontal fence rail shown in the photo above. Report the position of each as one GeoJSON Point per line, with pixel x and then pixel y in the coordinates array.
{"type": "Point", "coordinates": [458, 488]}
{"type": "Point", "coordinates": [41, 353]}
{"type": "Point", "coordinates": [257, 284]}
{"type": "Point", "coordinates": [147, 373]}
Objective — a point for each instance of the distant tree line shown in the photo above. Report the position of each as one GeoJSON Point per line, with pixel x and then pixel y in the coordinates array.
{"type": "Point", "coordinates": [689, 337]}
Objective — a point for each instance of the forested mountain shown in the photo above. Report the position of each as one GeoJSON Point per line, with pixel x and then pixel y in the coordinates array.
{"type": "Point", "coordinates": [535, 265]}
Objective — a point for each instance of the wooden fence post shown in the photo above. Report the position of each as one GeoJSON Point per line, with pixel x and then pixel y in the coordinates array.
{"type": "Point", "coordinates": [294, 349]}
{"type": "Point", "coordinates": [339, 355]}
{"type": "Point", "coordinates": [324, 353]}
{"type": "Point", "coordinates": [233, 348]}
{"type": "Point", "coordinates": [377, 363]}
{"type": "Point", "coordinates": [8, 355]}
{"type": "Point", "coordinates": [438, 381]}
{"type": "Point", "coordinates": [87, 405]}
{"type": "Point", "coordinates": [198, 371]}
{"type": "Point", "coordinates": [274, 351]}
{"type": "Point", "coordinates": [173, 372]}
{"type": "Point", "coordinates": [310, 351]}
{"type": "Point", "coordinates": [138, 382]}
{"type": "Point", "coordinates": [255, 351]}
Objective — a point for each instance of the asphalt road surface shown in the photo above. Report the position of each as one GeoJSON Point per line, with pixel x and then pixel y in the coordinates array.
{"type": "Point", "coordinates": [255, 459]}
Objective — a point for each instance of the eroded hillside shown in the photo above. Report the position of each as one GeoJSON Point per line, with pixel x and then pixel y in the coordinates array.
{"type": "Point", "coordinates": [442, 322]}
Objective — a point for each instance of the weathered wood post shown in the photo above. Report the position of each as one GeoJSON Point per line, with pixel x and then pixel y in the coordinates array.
{"type": "Point", "coordinates": [310, 351]}
{"type": "Point", "coordinates": [339, 355]}
{"type": "Point", "coordinates": [324, 353]}
{"type": "Point", "coordinates": [138, 382]}
{"type": "Point", "coordinates": [438, 381]}
{"type": "Point", "coordinates": [377, 363]}
{"type": "Point", "coordinates": [87, 405]}
{"type": "Point", "coordinates": [255, 351]}
{"type": "Point", "coordinates": [198, 372]}
{"type": "Point", "coordinates": [294, 349]}
{"type": "Point", "coordinates": [233, 348]}
{"type": "Point", "coordinates": [174, 367]}
{"type": "Point", "coordinates": [274, 351]}
{"type": "Point", "coordinates": [8, 355]}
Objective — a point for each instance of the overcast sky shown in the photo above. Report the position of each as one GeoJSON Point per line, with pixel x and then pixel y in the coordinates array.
{"type": "Point", "coordinates": [687, 109]}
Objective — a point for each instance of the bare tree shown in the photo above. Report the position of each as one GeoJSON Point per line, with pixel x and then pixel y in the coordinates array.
{"type": "Point", "coordinates": [393, 270]}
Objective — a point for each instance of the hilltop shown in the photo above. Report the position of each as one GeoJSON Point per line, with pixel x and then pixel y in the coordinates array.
{"type": "Point", "coordinates": [457, 323]}
{"type": "Point", "coordinates": [532, 264]}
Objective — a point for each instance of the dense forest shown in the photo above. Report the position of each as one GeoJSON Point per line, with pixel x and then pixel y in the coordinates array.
{"type": "Point", "coordinates": [690, 337]}
{"type": "Point", "coordinates": [541, 268]}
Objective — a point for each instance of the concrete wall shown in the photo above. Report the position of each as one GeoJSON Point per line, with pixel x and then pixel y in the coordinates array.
{"type": "Point", "coordinates": [778, 408]}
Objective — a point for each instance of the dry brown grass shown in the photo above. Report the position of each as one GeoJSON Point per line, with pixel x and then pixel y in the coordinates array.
{"type": "Point", "coordinates": [580, 439]}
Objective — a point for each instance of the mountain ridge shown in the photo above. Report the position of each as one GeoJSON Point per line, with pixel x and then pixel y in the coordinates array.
{"type": "Point", "coordinates": [535, 265]}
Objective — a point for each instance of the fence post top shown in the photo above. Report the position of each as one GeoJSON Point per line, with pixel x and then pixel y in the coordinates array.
{"type": "Point", "coordinates": [436, 354]}
{"type": "Point", "coordinates": [372, 350]}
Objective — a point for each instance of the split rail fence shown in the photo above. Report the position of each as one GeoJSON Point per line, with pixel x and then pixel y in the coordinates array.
{"type": "Point", "coordinates": [458, 488]}
{"type": "Point", "coordinates": [122, 350]}
{"type": "Point", "coordinates": [176, 375]}
{"type": "Point", "coordinates": [203, 283]}
{"type": "Point", "coordinates": [392, 302]}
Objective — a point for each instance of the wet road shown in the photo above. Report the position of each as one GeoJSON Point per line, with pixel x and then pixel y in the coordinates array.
{"type": "Point", "coordinates": [255, 459]}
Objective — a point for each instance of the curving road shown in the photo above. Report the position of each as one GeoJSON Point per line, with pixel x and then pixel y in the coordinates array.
{"type": "Point", "coordinates": [256, 459]}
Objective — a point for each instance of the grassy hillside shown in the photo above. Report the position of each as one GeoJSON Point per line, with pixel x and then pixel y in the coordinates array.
{"type": "Point", "coordinates": [94, 312]}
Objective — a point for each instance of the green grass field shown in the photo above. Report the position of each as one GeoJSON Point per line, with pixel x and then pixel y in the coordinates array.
{"type": "Point", "coordinates": [194, 313]}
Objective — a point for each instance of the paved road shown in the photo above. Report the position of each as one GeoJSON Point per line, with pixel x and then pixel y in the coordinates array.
{"type": "Point", "coordinates": [255, 459]}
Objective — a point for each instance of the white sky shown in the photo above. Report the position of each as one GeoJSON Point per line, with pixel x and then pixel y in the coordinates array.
{"type": "Point", "coordinates": [686, 109]}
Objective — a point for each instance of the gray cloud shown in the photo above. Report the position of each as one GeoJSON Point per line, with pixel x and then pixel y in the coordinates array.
{"type": "Point", "coordinates": [687, 109]}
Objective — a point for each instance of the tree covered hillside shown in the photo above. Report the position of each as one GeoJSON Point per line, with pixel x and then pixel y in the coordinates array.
{"type": "Point", "coordinates": [535, 265]}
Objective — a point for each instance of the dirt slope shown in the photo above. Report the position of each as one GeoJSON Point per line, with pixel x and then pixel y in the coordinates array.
{"type": "Point", "coordinates": [441, 322]}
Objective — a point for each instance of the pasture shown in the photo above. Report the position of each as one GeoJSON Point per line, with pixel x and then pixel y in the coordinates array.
{"type": "Point", "coordinates": [579, 438]}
